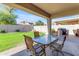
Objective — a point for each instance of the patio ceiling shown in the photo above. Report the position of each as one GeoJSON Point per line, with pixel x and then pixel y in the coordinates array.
{"type": "Point", "coordinates": [48, 10]}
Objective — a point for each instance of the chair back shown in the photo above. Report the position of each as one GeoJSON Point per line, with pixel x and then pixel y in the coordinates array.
{"type": "Point", "coordinates": [54, 33]}
{"type": "Point", "coordinates": [64, 40]}
{"type": "Point", "coordinates": [62, 31]}
{"type": "Point", "coordinates": [78, 32]}
{"type": "Point", "coordinates": [28, 42]}
{"type": "Point", "coordinates": [36, 34]}
{"type": "Point", "coordinates": [61, 40]}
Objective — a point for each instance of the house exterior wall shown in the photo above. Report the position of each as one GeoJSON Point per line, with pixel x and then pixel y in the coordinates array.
{"type": "Point", "coordinates": [68, 27]}
{"type": "Point", "coordinates": [41, 29]}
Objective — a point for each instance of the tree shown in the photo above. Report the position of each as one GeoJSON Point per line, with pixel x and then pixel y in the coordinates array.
{"type": "Point", "coordinates": [39, 23]}
{"type": "Point", "coordinates": [23, 22]}
{"type": "Point", "coordinates": [8, 18]}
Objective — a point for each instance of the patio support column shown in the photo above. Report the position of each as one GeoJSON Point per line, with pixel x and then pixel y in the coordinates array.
{"type": "Point", "coordinates": [49, 26]}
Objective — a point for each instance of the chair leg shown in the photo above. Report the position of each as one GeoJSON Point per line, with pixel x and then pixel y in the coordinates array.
{"type": "Point", "coordinates": [61, 53]}
{"type": "Point", "coordinates": [44, 50]}
{"type": "Point", "coordinates": [56, 53]}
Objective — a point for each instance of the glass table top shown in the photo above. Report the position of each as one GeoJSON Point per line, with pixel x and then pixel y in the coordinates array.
{"type": "Point", "coordinates": [47, 39]}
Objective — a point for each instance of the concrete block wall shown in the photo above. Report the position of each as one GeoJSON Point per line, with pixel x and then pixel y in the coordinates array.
{"type": "Point", "coordinates": [13, 28]}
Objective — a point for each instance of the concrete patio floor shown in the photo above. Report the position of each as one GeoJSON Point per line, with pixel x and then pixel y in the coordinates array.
{"type": "Point", "coordinates": [71, 46]}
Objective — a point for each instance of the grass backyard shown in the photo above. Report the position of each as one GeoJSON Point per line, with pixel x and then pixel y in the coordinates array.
{"type": "Point", "coordinates": [9, 40]}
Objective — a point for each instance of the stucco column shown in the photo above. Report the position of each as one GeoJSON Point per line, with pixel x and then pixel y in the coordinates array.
{"type": "Point", "coordinates": [49, 26]}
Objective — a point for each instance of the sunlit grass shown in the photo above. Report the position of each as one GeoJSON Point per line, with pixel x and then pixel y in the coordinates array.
{"type": "Point", "coordinates": [9, 40]}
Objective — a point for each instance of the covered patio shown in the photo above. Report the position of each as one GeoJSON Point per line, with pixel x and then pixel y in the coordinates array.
{"type": "Point", "coordinates": [71, 46]}
{"type": "Point", "coordinates": [50, 11]}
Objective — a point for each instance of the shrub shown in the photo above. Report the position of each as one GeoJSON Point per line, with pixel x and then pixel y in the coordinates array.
{"type": "Point", "coordinates": [2, 31]}
{"type": "Point", "coordinates": [17, 30]}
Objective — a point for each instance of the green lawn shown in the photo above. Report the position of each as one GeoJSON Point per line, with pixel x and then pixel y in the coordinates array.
{"type": "Point", "coordinates": [9, 40]}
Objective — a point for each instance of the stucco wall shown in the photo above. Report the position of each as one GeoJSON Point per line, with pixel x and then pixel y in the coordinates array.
{"type": "Point", "coordinates": [69, 27]}
{"type": "Point", "coordinates": [41, 29]}
{"type": "Point", "coordinates": [13, 28]}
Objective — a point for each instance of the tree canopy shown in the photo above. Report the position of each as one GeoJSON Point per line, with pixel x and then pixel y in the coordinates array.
{"type": "Point", "coordinates": [8, 17]}
{"type": "Point", "coordinates": [39, 23]}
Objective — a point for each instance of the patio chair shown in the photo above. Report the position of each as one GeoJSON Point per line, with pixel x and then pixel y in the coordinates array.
{"type": "Point", "coordinates": [36, 34]}
{"type": "Point", "coordinates": [76, 32]}
{"type": "Point", "coordinates": [54, 33]}
{"type": "Point", "coordinates": [37, 49]}
{"type": "Point", "coordinates": [62, 31]}
{"type": "Point", "coordinates": [57, 47]}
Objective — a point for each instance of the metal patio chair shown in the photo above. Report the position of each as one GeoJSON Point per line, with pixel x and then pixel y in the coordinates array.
{"type": "Point", "coordinates": [58, 46]}
{"type": "Point", "coordinates": [36, 34]}
{"type": "Point", "coordinates": [36, 49]}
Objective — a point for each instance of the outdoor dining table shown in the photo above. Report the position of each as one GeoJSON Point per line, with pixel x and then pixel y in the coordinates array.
{"type": "Point", "coordinates": [45, 40]}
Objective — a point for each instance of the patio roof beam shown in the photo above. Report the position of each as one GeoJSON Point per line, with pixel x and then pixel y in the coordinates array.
{"type": "Point", "coordinates": [34, 8]}
{"type": "Point", "coordinates": [37, 10]}
{"type": "Point", "coordinates": [31, 8]}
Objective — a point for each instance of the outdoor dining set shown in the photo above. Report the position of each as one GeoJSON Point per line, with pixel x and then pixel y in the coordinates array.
{"type": "Point", "coordinates": [38, 44]}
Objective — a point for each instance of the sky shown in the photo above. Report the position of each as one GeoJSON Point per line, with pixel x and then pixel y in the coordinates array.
{"type": "Point", "coordinates": [25, 16]}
